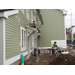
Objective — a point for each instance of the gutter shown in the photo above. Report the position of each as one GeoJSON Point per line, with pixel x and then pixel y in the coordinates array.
{"type": "Point", "coordinates": [6, 9]}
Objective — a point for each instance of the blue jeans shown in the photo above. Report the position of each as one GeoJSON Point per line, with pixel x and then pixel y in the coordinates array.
{"type": "Point", "coordinates": [53, 54]}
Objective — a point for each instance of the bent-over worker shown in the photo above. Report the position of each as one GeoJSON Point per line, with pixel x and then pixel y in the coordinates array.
{"type": "Point", "coordinates": [52, 46]}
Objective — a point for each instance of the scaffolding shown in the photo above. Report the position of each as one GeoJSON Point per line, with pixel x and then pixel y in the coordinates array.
{"type": "Point", "coordinates": [35, 25]}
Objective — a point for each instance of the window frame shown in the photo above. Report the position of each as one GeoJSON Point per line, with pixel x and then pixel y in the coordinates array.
{"type": "Point", "coordinates": [31, 16]}
{"type": "Point", "coordinates": [23, 47]}
{"type": "Point", "coordinates": [27, 12]}
{"type": "Point", "coordinates": [35, 15]}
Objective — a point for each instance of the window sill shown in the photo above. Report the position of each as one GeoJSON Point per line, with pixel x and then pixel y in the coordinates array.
{"type": "Point", "coordinates": [23, 49]}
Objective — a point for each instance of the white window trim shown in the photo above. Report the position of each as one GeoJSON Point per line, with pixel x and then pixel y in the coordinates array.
{"type": "Point", "coordinates": [24, 48]}
{"type": "Point", "coordinates": [31, 16]}
{"type": "Point", "coordinates": [22, 10]}
{"type": "Point", "coordinates": [27, 11]}
{"type": "Point", "coordinates": [35, 14]}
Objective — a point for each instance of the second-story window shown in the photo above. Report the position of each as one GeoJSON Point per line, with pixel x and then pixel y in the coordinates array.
{"type": "Point", "coordinates": [27, 11]}
{"type": "Point", "coordinates": [31, 16]}
{"type": "Point", "coordinates": [35, 15]}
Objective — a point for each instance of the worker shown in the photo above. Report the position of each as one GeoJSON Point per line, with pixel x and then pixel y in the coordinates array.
{"type": "Point", "coordinates": [52, 46]}
{"type": "Point", "coordinates": [66, 31]}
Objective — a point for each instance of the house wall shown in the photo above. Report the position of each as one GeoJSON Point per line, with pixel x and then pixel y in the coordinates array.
{"type": "Point", "coordinates": [53, 28]}
{"type": "Point", "coordinates": [12, 31]}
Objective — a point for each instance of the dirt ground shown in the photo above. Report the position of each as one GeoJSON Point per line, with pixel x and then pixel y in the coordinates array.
{"type": "Point", "coordinates": [46, 59]}
{"type": "Point", "coordinates": [64, 59]}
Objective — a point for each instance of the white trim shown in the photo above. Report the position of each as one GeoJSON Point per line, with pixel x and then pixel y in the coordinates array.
{"type": "Point", "coordinates": [24, 48]}
{"type": "Point", "coordinates": [64, 11]}
{"type": "Point", "coordinates": [31, 16]}
{"type": "Point", "coordinates": [35, 11]}
{"type": "Point", "coordinates": [27, 12]}
{"type": "Point", "coordinates": [3, 41]}
{"type": "Point", "coordinates": [13, 59]}
{"type": "Point", "coordinates": [65, 30]}
{"type": "Point", "coordinates": [43, 47]}
{"type": "Point", "coordinates": [60, 43]}
{"type": "Point", "coordinates": [46, 47]}
{"type": "Point", "coordinates": [5, 14]}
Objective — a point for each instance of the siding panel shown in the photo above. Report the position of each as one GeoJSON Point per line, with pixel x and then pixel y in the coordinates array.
{"type": "Point", "coordinates": [53, 28]}
{"type": "Point", "coordinates": [12, 32]}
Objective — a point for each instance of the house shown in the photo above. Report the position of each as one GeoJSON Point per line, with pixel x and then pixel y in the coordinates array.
{"type": "Point", "coordinates": [21, 31]}
{"type": "Point", "coordinates": [18, 33]}
{"type": "Point", "coordinates": [53, 28]}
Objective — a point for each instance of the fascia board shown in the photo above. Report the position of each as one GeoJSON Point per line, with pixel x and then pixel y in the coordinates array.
{"type": "Point", "coordinates": [5, 14]}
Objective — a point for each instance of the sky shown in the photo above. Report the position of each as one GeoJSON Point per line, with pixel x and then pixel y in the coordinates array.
{"type": "Point", "coordinates": [68, 18]}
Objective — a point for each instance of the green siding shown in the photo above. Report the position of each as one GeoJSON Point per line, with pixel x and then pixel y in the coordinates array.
{"type": "Point", "coordinates": [12, 44]}
{"type": "Point", "coordinates": [53, 28]}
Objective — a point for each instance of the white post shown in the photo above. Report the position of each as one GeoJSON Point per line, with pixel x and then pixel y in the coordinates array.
{"type": "Point", "coordinates": [65, 32]}
{"type": "Point", "coordinates": [2, 41]}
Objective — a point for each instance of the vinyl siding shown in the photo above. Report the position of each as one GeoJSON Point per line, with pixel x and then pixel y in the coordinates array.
{"type": "Point", "coordinates": [53, 28]}
{"type": "Point", "coordinates": [12, 32]}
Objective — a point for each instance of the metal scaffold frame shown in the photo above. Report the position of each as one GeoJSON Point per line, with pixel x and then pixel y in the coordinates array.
{"type": "Point", "coordinates": [37, 34]}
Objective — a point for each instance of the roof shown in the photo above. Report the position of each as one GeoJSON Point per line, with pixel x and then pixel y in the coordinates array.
{"type": "Point", "coordinates": [6, 9]}
{"type": "Point", "coordinates": [64, 11]}
{"type": "Point", "coordinates": [38, 13]}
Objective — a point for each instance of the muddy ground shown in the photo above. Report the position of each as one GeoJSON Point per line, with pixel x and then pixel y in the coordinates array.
{"type": "Point", "coordinates": [63, 59]}
{"type": "Point", "coordinates": [46, 59]}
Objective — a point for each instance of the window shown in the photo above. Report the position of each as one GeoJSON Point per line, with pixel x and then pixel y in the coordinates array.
{"type": "Point", "coordinates": [23, 39]}
{"type": "Point", "coordinates": [31, 16]}
{"type": "Point", "coordinates": [35, 15]}
{"type": "Point", "coordinates": [27, 10]}
{"type": "Point", "coordinates": [22, 10]}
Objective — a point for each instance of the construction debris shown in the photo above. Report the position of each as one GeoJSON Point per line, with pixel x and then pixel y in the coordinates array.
{"type": "Point", "coordinates": [66, 57]}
